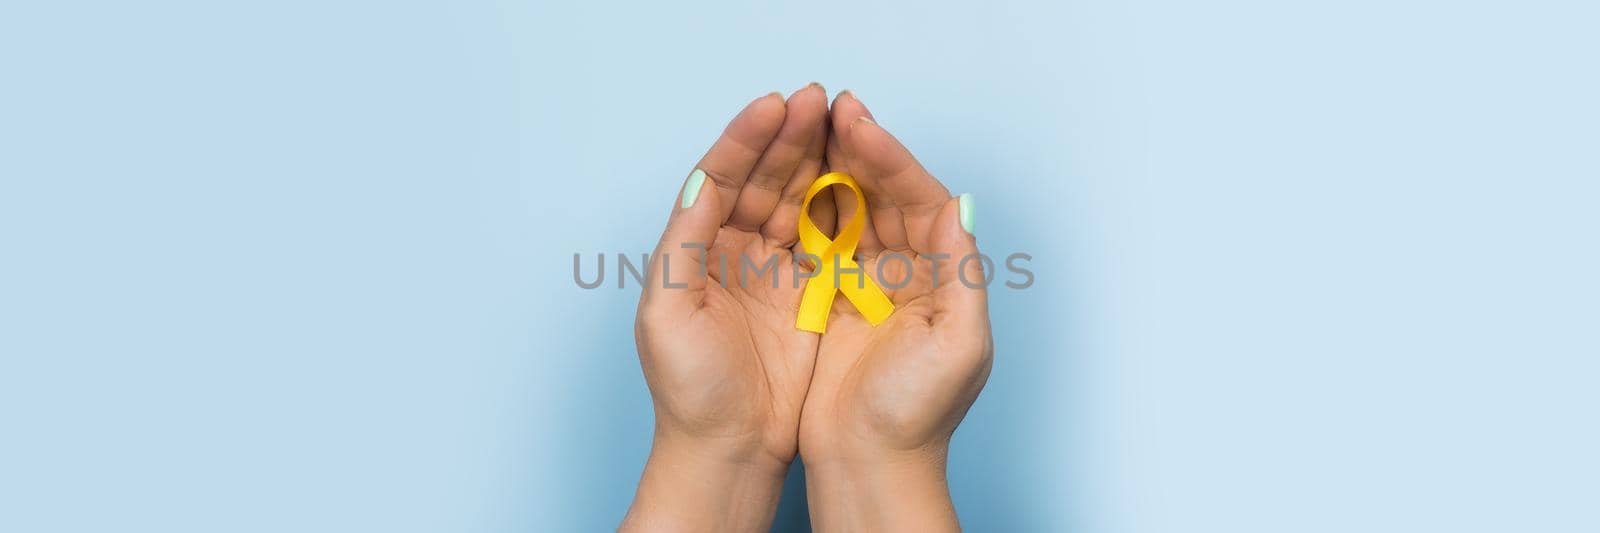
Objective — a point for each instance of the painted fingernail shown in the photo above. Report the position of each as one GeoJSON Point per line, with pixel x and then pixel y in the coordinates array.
{"type": "Point", "coordinates": [691, 189]}
{"type": "Point", "coordinates": [966, 212]}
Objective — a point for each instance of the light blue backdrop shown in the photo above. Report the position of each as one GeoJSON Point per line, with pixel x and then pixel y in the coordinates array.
{"type": "Point", "coordinates": [306, 266]}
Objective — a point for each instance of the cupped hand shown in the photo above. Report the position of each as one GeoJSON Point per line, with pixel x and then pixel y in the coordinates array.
{"type": "Point", "coordinates": [884, 400]}
{"type": "Point", "coordinates": [739, 390]}
{"type": "Point", "coordinates": [727, 369]}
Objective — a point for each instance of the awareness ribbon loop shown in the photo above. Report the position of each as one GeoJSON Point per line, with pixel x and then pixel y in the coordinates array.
{"type": "Point", "coordinates": [836, 267]}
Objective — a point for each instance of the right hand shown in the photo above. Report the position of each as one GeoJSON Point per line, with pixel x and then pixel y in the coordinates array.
{"type": "Point", "coordinates": [727, 369]}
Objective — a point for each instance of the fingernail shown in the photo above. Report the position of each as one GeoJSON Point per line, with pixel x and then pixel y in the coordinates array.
{"type": "Point", "coordinates": [809, 86]}
{"type": "Point", "coordinates": [966, 212]}
{"type": "Point", "coordinates": [838, 97]}
{"type": "Point", "coordinates": [691, 190]}
{"type": "Point", "coordinates": [866, 119]}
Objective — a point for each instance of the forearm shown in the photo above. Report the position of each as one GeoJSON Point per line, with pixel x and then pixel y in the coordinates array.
{"type": "Point", "coordinates": [901, 493]}
{"type": "Point", "coordinates": [690, 487]}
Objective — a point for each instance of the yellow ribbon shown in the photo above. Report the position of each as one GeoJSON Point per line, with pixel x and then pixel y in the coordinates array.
{"type": "Point", "coordinates": [835, 257]}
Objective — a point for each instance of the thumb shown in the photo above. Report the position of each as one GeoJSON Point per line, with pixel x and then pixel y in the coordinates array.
{"type": "Point", "coordinates": [960, 292]}
{"type": "Point", "coordinates": [677, 279]}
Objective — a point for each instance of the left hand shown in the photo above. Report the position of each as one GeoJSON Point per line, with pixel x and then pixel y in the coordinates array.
{"type": "Point", "coordinates": [884, 400]}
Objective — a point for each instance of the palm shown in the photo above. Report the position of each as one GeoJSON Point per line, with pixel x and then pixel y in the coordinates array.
{"type": "Point", "coordinates": [763, 362]}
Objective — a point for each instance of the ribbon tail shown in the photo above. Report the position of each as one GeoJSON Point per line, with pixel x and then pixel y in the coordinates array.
{"type": "Point", "coordinates": [868, 298]}
{"type": "Point", "coordinates": [815, 302]}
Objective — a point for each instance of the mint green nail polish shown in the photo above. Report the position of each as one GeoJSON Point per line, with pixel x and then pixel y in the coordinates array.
{"type": "Point", "coordinates": [691, 189]}
{"type": "Point", "coordinates": [966, 212]}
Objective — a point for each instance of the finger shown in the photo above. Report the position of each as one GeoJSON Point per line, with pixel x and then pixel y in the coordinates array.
{"type": "Point", "coordinates": [782, 226]}
{"type": "Point", "coordinates": [846, 109]}
{"type": "Point", "coordinates": [844, 203]}
{"type": "Point", "coordinates": [806, 112]}
{"type": "Point", "coordinates": [676, 281]}
{"type": "Point", "coordinates": [733, 157]}
{"type": "Point", "coordinates": [880, 159]}
{"type": "Point", "coordinates": [960, 297]}
{"type": "Point", "coordinates": [848, 112]}
{"type": "Point", "coordinates": [823, 211]}
{"type": "Point", "coordinates": [835, 157]}
{"type": "Point", "coordinates": [960, 293]}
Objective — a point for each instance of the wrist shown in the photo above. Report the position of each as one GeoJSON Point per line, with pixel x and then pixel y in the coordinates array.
{"type": "Point", "coordinates": [705, 485]}
{"type": "Point", "coordinates": [904, 490]}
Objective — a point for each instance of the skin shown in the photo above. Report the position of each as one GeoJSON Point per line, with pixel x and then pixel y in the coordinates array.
{"type": "Point", "coordinates": [739, 391]}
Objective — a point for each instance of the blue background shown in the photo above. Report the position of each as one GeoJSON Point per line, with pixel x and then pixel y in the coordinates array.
{"type": "Point", "coordinates": [306, 266]}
